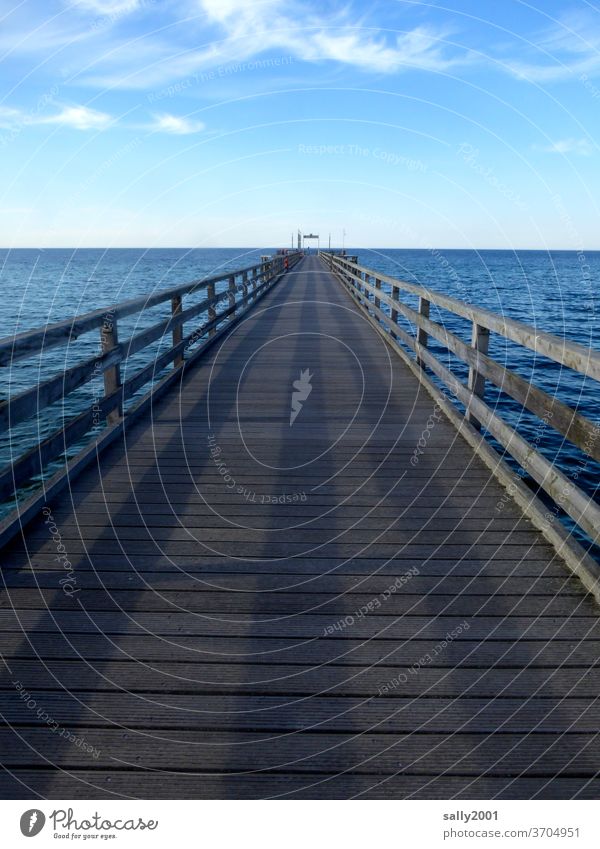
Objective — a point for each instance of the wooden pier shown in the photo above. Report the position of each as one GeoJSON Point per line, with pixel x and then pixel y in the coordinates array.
{"type": "Point", "coordinates": [294, 569]}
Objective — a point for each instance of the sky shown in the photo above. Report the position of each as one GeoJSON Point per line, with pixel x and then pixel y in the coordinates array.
{"type": "Point", "coordinates": [216, 123]}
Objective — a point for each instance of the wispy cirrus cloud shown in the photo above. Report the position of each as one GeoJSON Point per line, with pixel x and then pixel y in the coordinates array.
{"type": "Point", "coordinates": [83, 118]}
{"type": "Point", "coordinates": [566, 50]}
{"type": "Point", "coordinates": [144, 44]}
{"type": "Point", "coordinates": [75, 117]}
{"type": "Point", "coordinates": [79, 118]}
{"type": "Point", "coordinates": [566, 147]}
{"type": "Point", "coordinates": [9, 117]}
{"type": "Point", "coordinates": [223, 31]}
{"type": "Point", "coordinates": [176, 125]}
{"type": "Point", "coordinates": [107, 7]}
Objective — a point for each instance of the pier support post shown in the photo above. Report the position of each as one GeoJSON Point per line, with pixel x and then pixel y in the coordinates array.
{"type": "Point", "coordinates": [109, 339]}
{"type": "Point", "coordinates": [422, 337]}
{"type": "Point", "coordinates": [480, 341]}
{"type": "Point", "coordinates": [177, 309]}
{"type": "Point", "coordinates": [212, 313]}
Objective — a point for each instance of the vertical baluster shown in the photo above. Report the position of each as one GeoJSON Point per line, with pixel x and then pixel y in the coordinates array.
{"type": "Point", "coordinates": [212, 312]}
{"type": "Point", "coordinates": [422, 336]}
{"type": "Point", "coordinates": [176, 309]}
{"type": "Point", "coordinates": [377, 286]}
{"type": "Point", "coordinates": [231, 295]}
{"type": "Point", "coordinates": [109, 339]}
{"type": "Point", "coordinates": [480, 341]}
{"type": "Point", "coordinates": [395, 297]}
{"type": "Point", "coordinates": [245, 286]}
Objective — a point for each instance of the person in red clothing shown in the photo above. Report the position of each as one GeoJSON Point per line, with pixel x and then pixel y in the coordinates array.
{"type": "Point", "coordinates": [286, 264]}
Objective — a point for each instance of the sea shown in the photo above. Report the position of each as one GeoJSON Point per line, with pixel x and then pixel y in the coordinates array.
{"type": "Point", "coordinates": [553, 291]}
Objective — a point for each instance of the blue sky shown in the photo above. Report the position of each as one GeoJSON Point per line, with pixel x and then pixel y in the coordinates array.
{"type": "Point", "coordinates": [231, 123]}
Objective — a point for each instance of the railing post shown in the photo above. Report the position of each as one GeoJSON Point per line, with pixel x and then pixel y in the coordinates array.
{"type": "Point", "coordinates": [377, 286]}
{"type": "Point", "coordinates": [422, 336]}
{"type": "Point", "coordinates": [366, 295]}
{"type": "Point", "coordinates": [109, 339]}
{"type": "Point", "coordinates": [480, 341]}
{"type": "Point", "coordinates": [177, 309]}
{"type": "Point", "coordinates": [245, 285]}
{"type": "Point", "coordinates": [231, 295]}
{"type": "Point", "coordinates": [253, 283]}
{"type": "Point", "coordinates": [358, 285]}
{"type": "Point", "coordinates": [212, 312]}
{"type": "Point", "coordinates": [394, 314]}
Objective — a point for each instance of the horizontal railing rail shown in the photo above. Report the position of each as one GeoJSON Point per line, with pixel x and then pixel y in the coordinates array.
{"type": "Point", "coordinates": [365, 285]}
{"type": "Point", "coordinates": [243, 287]}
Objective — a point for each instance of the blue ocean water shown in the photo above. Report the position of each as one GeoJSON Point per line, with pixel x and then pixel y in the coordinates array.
{"type": "Point", "coordinates": [554, 291]}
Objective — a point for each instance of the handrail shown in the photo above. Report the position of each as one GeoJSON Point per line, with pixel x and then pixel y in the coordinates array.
{"type": "Point", "coordinates": [244, 286]}
{"type": "Point", "coordinates": [563, 351]}
{"type": "Point", "coordinates": [32, 341]}
{"type": "Point", "coordinates": [365, 286]}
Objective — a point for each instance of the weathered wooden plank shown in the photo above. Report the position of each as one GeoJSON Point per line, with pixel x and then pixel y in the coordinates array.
{"type": "Point", "coordinates": [406, 520]}
{"type": "Point", "coordinates": [17, 559]}
{"type": "Point", "coordinates": [385, 682]}
{"type": "Point", "coordinates": [312, 584]}
{"type": "Point", "coordinates": [561, 651]}
{"type": "Point", "coordinates": [389, 535]}
{"type": "Point", "coordinates": [459, 754]}
{"type": "Point", "coordinates": [273, 714]}
{"type": "Point", "coordinates": [308, 625]}
{"type": "Point", "coordinates": [337, 606]}
{"type": "Point", "coordinates": [124, 783]}
{"type": "Point", "coordinates": [506, 550]}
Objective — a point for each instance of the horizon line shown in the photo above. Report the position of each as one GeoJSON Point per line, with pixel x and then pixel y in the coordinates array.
{"type": "Point", "coordinates": [269, 247]}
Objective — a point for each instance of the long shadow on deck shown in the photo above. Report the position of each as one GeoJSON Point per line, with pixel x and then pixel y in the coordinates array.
{"type": "Point", "coordinates": [213, 742]}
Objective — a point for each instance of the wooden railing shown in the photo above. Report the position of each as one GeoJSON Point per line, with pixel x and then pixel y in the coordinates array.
{"type": "Point", "coordinates": [365, 285]}
{"type": "Point", "coordinates": [219, 310]}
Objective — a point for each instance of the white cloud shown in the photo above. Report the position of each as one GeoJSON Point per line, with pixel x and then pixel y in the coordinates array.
{"type": "Point", "coordinates": [10, 118]}
{"type": "Point", "coordinates": [240, 30]}
{"type": "Point", "coordinates": [316, 38]}
{"type": "Point", "coordinates": [176, 125]}
{"type": "Point", "coordinates": [567, 50]}
{"type": "Point", "coordinates": [77, 117]}
{"type": "Point", "coordinates": [107, 7]}
{"type": "Point", "coordinates": [419, 48]}
{"type": "Point", "coordinates": [579, 147]}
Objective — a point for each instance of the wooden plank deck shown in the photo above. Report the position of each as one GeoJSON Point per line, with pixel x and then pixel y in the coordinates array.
{"type": "Point", "coordinates": [326, 619]}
